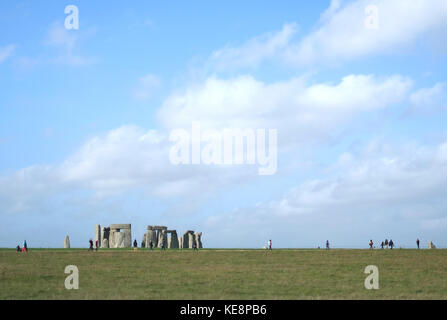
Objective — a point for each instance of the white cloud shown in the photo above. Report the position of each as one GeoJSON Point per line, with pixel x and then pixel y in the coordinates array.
{"type": "Point", "coordinates": [254, 51]}
{"type": "Point", "coordinates": [341, 35]}
{"type": "Point", "coordinates": [300, 111]}
{"type": "Point", "coordinates": [382, 190]}
{"type": "Point", "coordinates": [6, 52]}
{"type": "Point", "coordinates": [429, 99]}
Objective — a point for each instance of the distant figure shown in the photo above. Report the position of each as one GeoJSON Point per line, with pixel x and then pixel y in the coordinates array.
{"type": "Point", "coordinates": [194, 246]}
{"type": "Point", "coordinates": [90, 247]}
{"type": "Point", "coordinates": [96, 245]}
{"type": "Point", "coordinates": [24, 247]}
{"type": "Point", "coordinates": [318, 247]}
{"type": "Point", "coordinates": [151, 245]}
{"type": "Point", "coordinates": [270, 244]}
{"type": "Point", "coordinates": [391, 244]}
{"type": "Point", "coordinates": [386, 243]}
{"type": "Point", "coordinates": [417, 242]}
{"type": "Point", "coordinates": [327, 244]}
{"type": "Point", "coordinates": [163, 245]}
{"type": "Point", "coordinates": [382, 244]}
{"type": "Point", "coordinates": [371, 243]}
{"type": "Point", "coordinates": [135, 245]}
{"type": "Point", "coordinates": [18, 248]}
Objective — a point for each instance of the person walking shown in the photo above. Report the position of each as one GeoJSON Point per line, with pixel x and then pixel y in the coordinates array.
{"type": "Point", "coordinates": [151, 245]}
{"type": "Point", "coordinates": [391, 244]}
{"type": "Point", "coordinates": [96, 245]}
{"type": "Point", "coordinates": [135, 245]}
{"type": "Point", "coordinates": [417, 242]}
{"type": "Point", "coordinates": [386, 243]}
{"type": "Point", "coordinates": [90, 247]}
{"type": "Point", "coordinates": [25, 247]}
{"type": "Point", "coordinates": [371, 244]}
{"type": "Point", "coordinates": [270, 244]}
{"type": "Point", "coordinates": [327, 244]}
{"type": "Point", "coordinates": [382, 244]}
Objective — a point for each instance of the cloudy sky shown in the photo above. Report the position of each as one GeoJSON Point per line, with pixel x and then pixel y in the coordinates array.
{"type": "Point", "coordinates": [357, 91]}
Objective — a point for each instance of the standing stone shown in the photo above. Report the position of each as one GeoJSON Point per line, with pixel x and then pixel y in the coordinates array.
{"type": "Point", "coordinates": [173, 240]}
{"type": "Point", "coordinates": [143, 241]}
{"type": "Point", "coordinates": [191, 239]}
{"type": "Point", "coordinates": [97, 235]}
{"type": "Point", "coordinates": [198, 239]}
{"type": "Point", "coordinates": [119, 240]}
{"type": "Point", "coordinates": [162, 239]}
{"type": "Point", "coordinates": [105, 243]}
{"type": "Point", "coordinates": [180, 242]}
{"type": "Point", "coordinates": [431, 245]}
{"type": "Point", "coordinates": [105, 232]}
{"type": "Point", "coordinates": [67, 242]}
{"type": "Point", "coordinates": [151, 235]}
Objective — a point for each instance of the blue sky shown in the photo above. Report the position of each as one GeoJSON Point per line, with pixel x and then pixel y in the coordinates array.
{"type": "Point", "coordinates": [361, 113]}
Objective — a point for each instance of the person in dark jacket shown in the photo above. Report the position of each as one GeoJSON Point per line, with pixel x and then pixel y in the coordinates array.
{"type": "Point", "coordinates": [391, 244]}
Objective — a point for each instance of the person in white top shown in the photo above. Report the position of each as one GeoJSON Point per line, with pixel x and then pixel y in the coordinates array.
{"type": "Point", "coordinates": [270, 244]}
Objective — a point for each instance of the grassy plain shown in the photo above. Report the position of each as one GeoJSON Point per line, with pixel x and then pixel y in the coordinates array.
{"type": "Point", "coordinates": [223, 274]}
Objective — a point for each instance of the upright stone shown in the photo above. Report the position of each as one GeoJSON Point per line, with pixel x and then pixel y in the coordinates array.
{"type": "Point", "coordinates": [191, 239]}
{"type": "Point", "coordinates": [173, 240]}
{"type": "Point", "coordinates": [67, 242]}
{"type": "Point", "coordinates": [105, 232]}
{"type": "Point", "coordinates": [97, 235]}
{"type": "Point", "coordinates": [119, 240]}
{"type": "Point", "coordinates": [162, 239]}
{"type": "Point", "coordinates": [105, 243]}
{"type": "Point", "coordinates": [198, 239]}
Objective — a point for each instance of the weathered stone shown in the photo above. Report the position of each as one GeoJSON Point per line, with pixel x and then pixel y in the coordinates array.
{"type": "Point", "coordinates": [105, 243]}
{"type": "Point", "coordinates": [67, 242]}
{"type": "Point", "coordinates": [180, 242]}
{"type": "Point", "coordinates": [97, 235]}
{"type": "Point", "coordinates": [431, 245]}
{"type": "Point", "coordinates": [188, 239]}
{"type": "Point", "coordinates": [162, 239]}
{"type": "Point", "coordinates": [173, 240]}
{"type": "Point", "coordinates": [198, 239]}
{"type": "Point", "coordinates": [105, 232]}
{"type": "Point", "coordinates": [143, 241]}
{"type": "Point", "coordinates": [151, 235]}
{"type": "Point", "coordinates": [127, 241]}
{"type": "Point", "coordinates": [119, 240]}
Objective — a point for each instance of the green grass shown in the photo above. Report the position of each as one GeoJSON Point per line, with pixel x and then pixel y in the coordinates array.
{"type": "Point", "coordinates": [223, 274]}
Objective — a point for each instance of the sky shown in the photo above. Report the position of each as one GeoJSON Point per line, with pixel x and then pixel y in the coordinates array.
{"type": "Point", "coordinates": [356, 91]}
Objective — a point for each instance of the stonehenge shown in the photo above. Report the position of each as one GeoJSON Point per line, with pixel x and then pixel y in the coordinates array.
{"type": "Point", "coordinates": [120, 236]}
{"type": "Point", "coordinates": [431, 245]}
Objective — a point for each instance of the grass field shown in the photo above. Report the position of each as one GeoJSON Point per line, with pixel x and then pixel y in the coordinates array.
{"type": "Point", "coordinates": [223, 274]}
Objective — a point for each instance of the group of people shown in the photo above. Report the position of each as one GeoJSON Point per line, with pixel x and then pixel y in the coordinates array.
{"type": "Point", "coordinates": [90, 247]}
{"type": "Point", "coordinates": [384, 244]}
{"type": "Point", "coordinates": [24, 247]}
